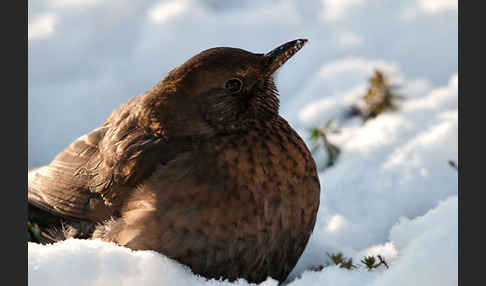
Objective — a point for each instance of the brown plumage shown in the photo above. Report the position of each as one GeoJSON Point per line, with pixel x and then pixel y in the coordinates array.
{"type": "Point", "coordinates": [200, 168]}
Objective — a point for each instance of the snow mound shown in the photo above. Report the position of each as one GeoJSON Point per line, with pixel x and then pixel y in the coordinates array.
{"type": "Point", "coordinates": [95, 262]}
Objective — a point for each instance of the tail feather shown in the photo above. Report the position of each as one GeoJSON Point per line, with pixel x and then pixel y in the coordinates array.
{"type": "Point", "coordinates": [51, 227]}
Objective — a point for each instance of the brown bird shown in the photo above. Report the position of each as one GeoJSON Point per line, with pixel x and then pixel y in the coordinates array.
{"type": "Point", "coordinates": [201, 168]}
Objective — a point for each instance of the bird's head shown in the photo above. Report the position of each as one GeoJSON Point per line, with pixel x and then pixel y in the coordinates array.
{"type": "Point", "coordinates": [223, 89]}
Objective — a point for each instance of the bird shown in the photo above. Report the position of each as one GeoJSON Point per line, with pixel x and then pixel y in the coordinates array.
{"type": "Point", "coordinates": [201, 168]}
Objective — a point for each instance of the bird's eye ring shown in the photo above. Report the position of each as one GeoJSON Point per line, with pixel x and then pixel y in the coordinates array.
{"type": "Point", "coordinates": [233, 85]}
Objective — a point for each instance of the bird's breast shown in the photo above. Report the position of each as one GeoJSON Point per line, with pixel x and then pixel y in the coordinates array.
{"type": "Point", "coordinates": [247, 200]}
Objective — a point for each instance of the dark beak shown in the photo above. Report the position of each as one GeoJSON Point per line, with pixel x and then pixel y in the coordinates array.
{"type": "Point", "coordinates": [278, 56]}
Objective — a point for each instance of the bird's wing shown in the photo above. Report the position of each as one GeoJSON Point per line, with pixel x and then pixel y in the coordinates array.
{"type": "Point", "coordinates": [61, 187]}
{"type": "Point", "coordinates": [90, 178]}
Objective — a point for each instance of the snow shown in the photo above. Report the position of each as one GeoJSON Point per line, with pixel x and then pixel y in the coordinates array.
{"type": "Point", "coordinates": [101, 263]}
{"type": "Point", "coordinates": [393, 166]}
{"type": "Point", "coordinates": [334, 10]}
{"type": "Point", "coordinates": [391, 191]}
{"type": "Point", "coordinates": [437, 6]}
{"type": "Point", "coordinates": [42, 26]}
{"type": "Point", "coordinates": [164, 11]}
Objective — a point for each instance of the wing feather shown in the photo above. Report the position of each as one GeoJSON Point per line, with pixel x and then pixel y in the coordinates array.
{"type": "Point", "coordinates": [92, 177]}
{"type": "Point", "coordinates": [63, 188]}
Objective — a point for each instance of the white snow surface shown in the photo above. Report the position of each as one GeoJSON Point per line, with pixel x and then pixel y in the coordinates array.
{"type": "Point", "coordinates": [391, 191]}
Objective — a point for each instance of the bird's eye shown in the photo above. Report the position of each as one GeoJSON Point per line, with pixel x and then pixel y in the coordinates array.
{"type": "Point", "coordinates": [233, 85]}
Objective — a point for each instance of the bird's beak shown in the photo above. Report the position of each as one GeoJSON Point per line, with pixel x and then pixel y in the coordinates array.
{"type": "Point", "coordinates": [278, 56]}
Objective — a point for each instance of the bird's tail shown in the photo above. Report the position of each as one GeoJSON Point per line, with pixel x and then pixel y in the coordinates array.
{"type": "Point", "coordinates": [43, 227]}
{"type": "Point", "coordinates": [46, 227]}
